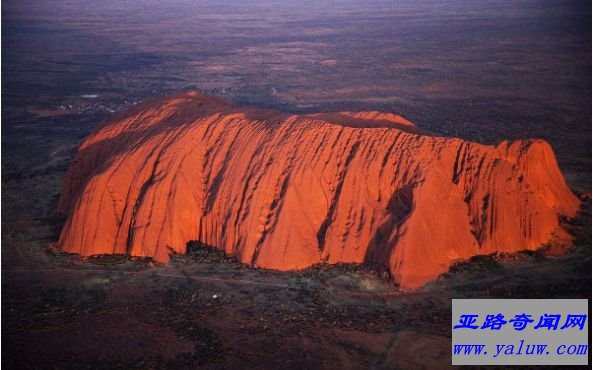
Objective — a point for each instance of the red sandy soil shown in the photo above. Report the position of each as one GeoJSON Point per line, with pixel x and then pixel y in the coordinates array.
{"type": "Point", "coordinates": [286, 192]}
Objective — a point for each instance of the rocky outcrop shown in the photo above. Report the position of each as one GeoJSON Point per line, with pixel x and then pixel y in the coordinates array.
{"type": "Point", "coordinates": [284, 192]}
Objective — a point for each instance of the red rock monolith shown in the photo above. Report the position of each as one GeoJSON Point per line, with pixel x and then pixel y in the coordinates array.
{"type": "Point", "coordinates": [285, 192]}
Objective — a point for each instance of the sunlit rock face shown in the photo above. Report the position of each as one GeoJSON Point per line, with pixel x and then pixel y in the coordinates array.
{"type": "Point", "coordinates": [284, 192]}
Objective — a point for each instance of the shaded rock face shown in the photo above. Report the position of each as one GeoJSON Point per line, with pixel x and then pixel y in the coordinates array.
{"type": "Point", "coordinates": [284, 192]}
